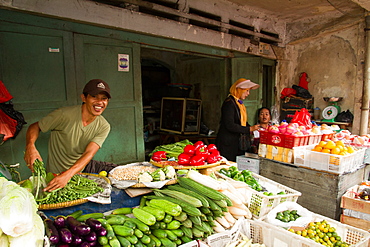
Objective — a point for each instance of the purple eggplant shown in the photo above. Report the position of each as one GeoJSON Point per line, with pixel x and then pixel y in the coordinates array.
{"type": "Point", "coordinates": [91, 237]}
{"type": "Point", "coordinates": [65, 235]}
{"type": "Point", "coordinates": [94, 223]}
{"type": "Point", "coordinates": [51, 231]}
{"type": "Point", "coordinates": [95, 243]}
{"type": "Point", "coordinates": [76, 240]}
{"type": "Point", "coordinates": [63, 245]}
{"type": "Point", "coordinates": [77, 227]}
{"type": "Point", "coordinates": [60, 221]}
{"type": "Point", "coordinates": [101, 232]}
{"type": "Point", "coordinates": [84, 244]}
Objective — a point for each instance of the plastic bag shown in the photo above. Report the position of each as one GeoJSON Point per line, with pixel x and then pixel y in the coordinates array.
{"type": "Point", "coordinates": [4, 93]}
{"type": "Point", "coordinates": [306, 215]}
{"type": "Point", "coordinates": [286, 92]}
{"type": "Point", "coordinates": [302, 117]}
{"type": "Point", "coordinates": [345, 117]}
{"type": "Point", "coordinates": [302, 92]}
{"type": "Point", "coordinates": [275, 115]}
{"type": "Point", "coordinates": [11, 122]}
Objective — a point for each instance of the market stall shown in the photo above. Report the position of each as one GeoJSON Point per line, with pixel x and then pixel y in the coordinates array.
{"type": "Point", "coordinates": [184, 197]}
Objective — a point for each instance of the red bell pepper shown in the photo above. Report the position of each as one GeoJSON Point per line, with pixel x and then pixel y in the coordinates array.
{"type": "Point", "coordinates": [211, 147]}
{"type": "Point", "coordinates": [197, 160]}
{"type": "Point", "coordinates": [215, 152]}
{"type": "Point", "coordinates": [202, 151]}
{"type": "Point", "coordinates": [183, 159]}
{"type": "Point", "coordinates": [198, 144]}
{"type": "Point", "coordinates": [212, 158]}
{"type": "Point", "coordinates": [159, 156]}
{"type": "Point", "coordinates": [189, 149]}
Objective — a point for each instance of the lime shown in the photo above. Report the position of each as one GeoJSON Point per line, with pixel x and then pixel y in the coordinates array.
{"type": "Point", "coordinates": [103, 173]}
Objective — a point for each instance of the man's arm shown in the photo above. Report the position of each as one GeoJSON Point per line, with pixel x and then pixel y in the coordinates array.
{"type": "Point", "coordinates": [31, 153]}
{"type": "Point", "coordinates": [62, 179]}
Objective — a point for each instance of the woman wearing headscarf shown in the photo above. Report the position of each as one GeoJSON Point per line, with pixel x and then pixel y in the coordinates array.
{"type": "Point", "coordinates": [234, 120]}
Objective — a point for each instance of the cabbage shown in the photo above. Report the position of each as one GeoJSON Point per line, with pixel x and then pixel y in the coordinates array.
{"type": "Point", "coordinates": [4, 242]}
{"type": "Point", "coordinates": [33, 238]}
{"type": "Point", "coordinates": [17, 209]}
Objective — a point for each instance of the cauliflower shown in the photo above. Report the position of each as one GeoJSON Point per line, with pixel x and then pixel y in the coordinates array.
{"type": "Point", "coordinates": [145, 177]}
{"type": "Point", "coordinates": [162, 175]}
{"type": "Point", "coordinates": [170, 172]}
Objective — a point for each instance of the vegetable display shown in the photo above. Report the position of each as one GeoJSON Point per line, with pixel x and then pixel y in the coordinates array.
{"type": "Point", "coordinates": [187, 154]}
{"type": "Point", "coordinates": [67, 230]}
{"type": "Point", "coordinates": [171, 150]}
{"type": "Point", "coordinates": [78, 187]}
{"type": "Point", "coordinates": [243, 176]}
{"type": "Point", "coordinates": [160, 174]}
{"type": "Point", "coordinates": [20, 225]}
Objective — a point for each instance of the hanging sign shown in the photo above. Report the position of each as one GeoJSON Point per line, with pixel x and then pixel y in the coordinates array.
{"type": "Point", "coordinates": [123, 62]}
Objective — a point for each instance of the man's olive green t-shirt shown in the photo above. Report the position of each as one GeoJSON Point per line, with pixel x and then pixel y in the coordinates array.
{"type": "Point", "coordinates": [69, 138]}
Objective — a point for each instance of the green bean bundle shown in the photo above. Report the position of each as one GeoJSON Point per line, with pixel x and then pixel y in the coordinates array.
{"type": "Point", "coordinates": [77, 188]}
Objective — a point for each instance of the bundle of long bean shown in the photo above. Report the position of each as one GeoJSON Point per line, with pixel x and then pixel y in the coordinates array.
{"type": "Point", "coordinates": [38, 175]}
{"type": "Point", "coordinates": [78, 187]}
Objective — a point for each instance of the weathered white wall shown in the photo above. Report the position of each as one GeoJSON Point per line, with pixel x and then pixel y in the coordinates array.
{"type": "Point", "coordinates": [334, 63]}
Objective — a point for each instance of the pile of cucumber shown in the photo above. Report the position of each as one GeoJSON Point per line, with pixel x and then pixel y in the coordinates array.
{"type": "Point", "coordinates": [171, 216]}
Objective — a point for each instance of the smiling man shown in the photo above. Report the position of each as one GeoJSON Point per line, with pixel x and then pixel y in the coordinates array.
{"type": "Point", "coordinates": [77, 133]}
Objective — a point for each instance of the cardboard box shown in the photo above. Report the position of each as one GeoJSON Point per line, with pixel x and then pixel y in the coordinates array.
{"type": "Point", "coordinates": [350, 202]}
{"type": "Point", "coordinates": [247, 163]}
{"type": "Point", "coordinates": [356, 222]}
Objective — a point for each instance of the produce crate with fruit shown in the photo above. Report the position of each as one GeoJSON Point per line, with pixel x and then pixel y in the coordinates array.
{"type": "Point", "coordinates": [319, 231]}
{"type": "Point", "coordinates": [335, 157]}
{"type": "Point", "coordinates": [264, 194]}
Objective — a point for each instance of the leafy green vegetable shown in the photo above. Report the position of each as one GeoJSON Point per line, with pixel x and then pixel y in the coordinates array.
{"type": "Point", "coordinates": [173, 149]}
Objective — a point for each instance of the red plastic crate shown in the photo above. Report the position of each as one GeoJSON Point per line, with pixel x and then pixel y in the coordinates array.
{"type": "Point", "coordinates": [295, 141]}
{"type": "Point", "coordinates": [272, 138]}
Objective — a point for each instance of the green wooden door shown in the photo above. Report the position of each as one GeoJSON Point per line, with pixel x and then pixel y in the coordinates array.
{"type": "Point", "coordinates": [35, 67]}
{"type": "Point", "coordinates": [117, 63]}
{"type": "Point", "coordinates": [249, 68]}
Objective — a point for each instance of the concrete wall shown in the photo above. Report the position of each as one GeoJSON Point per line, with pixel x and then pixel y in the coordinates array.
{"type": "Point", "coordinates": [334, 63]}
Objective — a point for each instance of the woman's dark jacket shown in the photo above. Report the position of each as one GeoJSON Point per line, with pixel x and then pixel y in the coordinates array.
{"type": "Point", "coordinates": [227, 140]}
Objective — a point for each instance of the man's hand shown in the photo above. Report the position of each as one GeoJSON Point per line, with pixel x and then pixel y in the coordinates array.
{"type": "Point", "coordinates": [30, 156]}
{"type": "Point", "coordinates": [58, 182]}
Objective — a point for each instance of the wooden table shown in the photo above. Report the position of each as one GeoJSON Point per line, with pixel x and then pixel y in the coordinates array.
{"type": "Point", "coordinates": [167, 137]}
{"type": "Point", "coordinates": [321, 191]}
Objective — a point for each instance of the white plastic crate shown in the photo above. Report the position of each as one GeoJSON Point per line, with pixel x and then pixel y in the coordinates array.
{"type": "Point", "coordinates": [271, 235]}
{"type": "Point", "coordinates": [260, 204]}
{"type": "Point", "coordinates": [338, 164]}
{"type": "Point", "coordinates": [314, 139]}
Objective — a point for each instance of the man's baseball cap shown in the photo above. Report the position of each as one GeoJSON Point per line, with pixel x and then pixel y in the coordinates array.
{"type": "Point", "coordinates": [97, 86]}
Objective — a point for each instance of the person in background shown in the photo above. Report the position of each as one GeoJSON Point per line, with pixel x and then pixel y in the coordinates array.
{"type": "Point", "coordinates": [77, 133]}
{"type": "Point", "coordinates": [264, 121]}
{"type": "Point", "coordinates": [234, 121]}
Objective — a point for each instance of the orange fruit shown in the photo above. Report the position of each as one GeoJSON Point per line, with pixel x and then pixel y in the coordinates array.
{"type": "Point", "coordinates": [322, 143]}
{"type": "Point", "coordinates": [350, 149]}
{"type": "Point", "coordinates": [326, 150]}
{"type": "Point", "coordinates": [339, 143]}
{"type": "Point", "coordinates": [317, 148]}
{"type": "Point", "coordinates": [335, 150]}
{"type": "Point", "coordinates": [330, 145]}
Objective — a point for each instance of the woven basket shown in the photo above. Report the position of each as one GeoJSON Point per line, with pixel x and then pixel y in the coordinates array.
{"type": "Point", "coordinates": [69, 203]}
